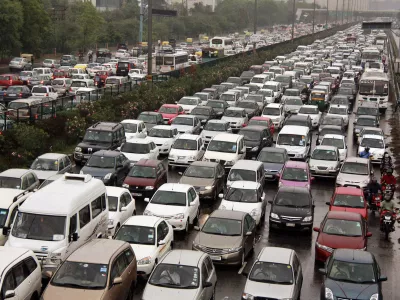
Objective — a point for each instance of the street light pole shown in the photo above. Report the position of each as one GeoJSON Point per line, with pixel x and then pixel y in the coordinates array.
{"type": "Point", "coordinates": [141, 26]}
{"type": "Point", "coordinates": [342, 12]}
{"type": "Point", "coordinates": [255, 16]}
{"type": "Point", "coordinates": [327, 14]}
{"type": "Point", "coordinates": [294, 16]}
{"type": "Point", "coordinates": [150, 37]}
{"type": "Point", "coordinates": [337, 6]}
{"type": "Point", "coordinates": [348, 9]}
{"type": "Point", "coordinates": [313, 20]}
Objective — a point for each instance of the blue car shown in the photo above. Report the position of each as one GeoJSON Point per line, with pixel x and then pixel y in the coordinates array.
{"type": "Point", "coordinates": [273, 159]}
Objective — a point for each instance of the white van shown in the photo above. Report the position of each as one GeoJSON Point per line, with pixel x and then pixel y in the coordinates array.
{"type": "Point", "coordinates": [61, 217]}
{"type": "Point", "coordinates": [296, 140]}
{"type": "Point", "coordinates": [246, 170]}
{"type": "Point", "coordinates": [80, 83]}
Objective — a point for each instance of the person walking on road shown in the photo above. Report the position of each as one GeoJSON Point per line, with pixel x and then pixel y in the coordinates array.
{"type": "Point", "coordinates": [397, 104]}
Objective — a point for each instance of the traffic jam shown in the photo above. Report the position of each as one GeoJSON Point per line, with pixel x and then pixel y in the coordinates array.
{"type": "Point", "coordinates": [277, 184]}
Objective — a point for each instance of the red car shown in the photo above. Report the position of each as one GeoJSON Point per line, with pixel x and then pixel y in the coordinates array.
{"type": "Point", "coordinates": [349, 199]}
{"type": "Point", "coordinates": [263, 121]}
{"type": "Point", "coordinates": [340, 229]}
{"type": "Point", "coordinates": [61, 74]}
{"type": "Point", "coordinates": [170, 112]}
{"type": "Point", "coordinates": [100, 76]}
{"type": "Point", "coordinates": [145, 177]}
{"type": "Point", "coordinates": [10, 79]}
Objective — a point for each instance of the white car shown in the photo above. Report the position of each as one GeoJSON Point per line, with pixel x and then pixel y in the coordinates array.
{"type": "Point", "coordinates": [134, 129]}
{"type": "Point", "coordinates": [44, 91]}
{"type": "Point", "coordinates": [355, 172]}
{"type": "Point", "coordinates": [136, 149]}
{"type": "Point", "coordinates": [121, 206]}
{"type": "Point", "coordinates": [376, 145]}
{"type": "Point", "coordinates": [276, 113]}
{"type": "Point", "coordinates": [283, 279]}
{"type": "Point", "coordinates": [186, 124]}
{"type": "Point", "coordinates": [178, 204]}
{"type": "Point", "coordinates": [291, 93]}
{"type": "Point", "coordinates": [338, 141]}
{"type": "Point", "coordinates": [188, 103]}
{"type": "Point", "coordinates": [269, 96]}
{"type": "Point", "coordinates": [150, 238]}
{"type": "Point", "coordinates": [186, 149]}
{"type": "Point", "coordinates": [214, 127]}
{"type": "Point", "coordinates": [246, 196]}
{"type": "Point", "coordinates": [163, 136]}
{"type": "Point", "coordinates": [236, 117]}
{"type": "Point", "coordinates": [92, 68]}
{"type": "Point", "coordinates": [21, 274]}
{"type": "Point", "coordinates": [121, 53]}
{"type": "Point", "coordinates": [313, 112]}
{"type": "Point", "coordinates": [324, 161]}
{"type": "Point", "coordinates": [111, 67]}
{"type": "Point", "coordinates": [339, 110]}
{"type": "Point", "coordinates": [293, 105]}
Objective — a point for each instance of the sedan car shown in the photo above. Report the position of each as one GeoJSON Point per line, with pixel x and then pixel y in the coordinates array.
{"type": "Point", "coordinates": [338, 141]}
{"type": "Point", "coordinates": [151, 238]}
{"type": "Point", "coordinates": [295, 173]}
{"type": "Point", "coordinates": [187, 124]}
{"type": "Point", "coordinates": [21, 179]}
{"type": "Point", "coordinates": [250, 106]}
{"type": "Point", "coordinates": [16, 92]}
{"type": "Point", "coordinates": [349, 199]}
{"type": "Point", "coordinates": [339, 110]}
{"type": "Point", "coordinates": [219, 106]}
{"type": "Point", "coordinates": [214, 127]}
{"type": "Point", "coordinates": [151, 119]}
{"type": "Point", "coordinates": [292, 105]}
{"type": "Point", "coordinates": [163, 136]}
{"type": "Point", "coordinates": [204, 113]}
{"type": "Point", "coordinates": [313, 112]}
{"type": "Point", "coordinates": [352, 274]}
{"type": "Point", "coordinates": [275, 274]}
{"type": "Point", "coordinates": [188, 103]}
{"type": "Point", "coordinates": [263, 121]}
{"type": "Point", "coordinates": [182, 274]}
{"type": "Point", "coordinates": [136, 149]}
{"type": "Point", "coordinates": [355, 172]}
{"type": "Point", "coordinates": [376, 145]}
{"type": "Point", "coordinates": [170, 111]}
{"type": "Point", "coordinates": [324, 161]}
{"type": "Point", "coordinates": [227, 236]}
{"type": "Point", "coordinates": [49, 164]}
{"type": "Point", "coordinates": [364, 121]}
{"type": "Point", "coordinates": [134, 128]}
{"type": "Point", "coordinates": [186, 149]}
{"type": "Point", "coordinates": [274, 160]}
{"type": "Point", "coordinates": [236, 116]}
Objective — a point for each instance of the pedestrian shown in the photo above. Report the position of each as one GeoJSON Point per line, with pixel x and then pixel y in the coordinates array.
{"type": "Point", "coordinates": [32, 60]}
{"type": "Point", "coordinates": [397, 104]}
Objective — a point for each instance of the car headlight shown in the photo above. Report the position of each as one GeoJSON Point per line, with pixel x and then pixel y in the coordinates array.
{"type": "Point", "coordinates": [110, 222]}
{"type": "Point", "coordinates": [357, 130]}
{"type": "Point", "coordinates": [147, 213]}
{"type": "Point", "coordinates": [374, 297]}
{"type": "Point", "coordinates": [166, 144]}
{"type": "Point", "coordinates": [274, 216]}
{"type": "Point", "coordinates": [235, 249]}
{"type": "Point", "coordinates": [145, 261]}
{"type": "Point", "coordinates": [328, 294]}
{"type": "Point", "coordinates": [366, 181]}
{"type": "Point", "coordinates": [193, 157]}
{"type": "Point", "coordinates": [254, 212]}
{"type": "Point", "coordinates": [124, 185]}
{"type": "Point", "coordinates": [307, 219]}
{"type": "Point", "coordinates": [108, 176]}
{"type": "Point", "coordinates": [78, 149]}
{"type": "Point", "coordinates": [230, 163]}
{"type": "Point", "coordinates": [149, 187]}
{"type": "Point", "coordinates": [81, 172]}
{"type": "Point", "coordinates": [179, 216]}
{"type": "Point", "coordinates": [255, 148]}
{"type": "Point", "coordinates": [246, 296]}
{"type": "Point", "coordinates": [323, 247]}
{"type": "Point", "coordinates": [208, 187]}
{"type": "Point", "coordinates": [172, 157]}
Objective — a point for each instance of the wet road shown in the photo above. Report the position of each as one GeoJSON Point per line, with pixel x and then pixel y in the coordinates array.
{"type": "Point", "coordinates": [231, 283]}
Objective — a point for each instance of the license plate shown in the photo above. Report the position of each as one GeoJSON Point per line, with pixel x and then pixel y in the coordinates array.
{"type": "Point", "coordinates": [136, 194]}
{"type": "Point", "coordinates": [215, 257]}
{"type": "Point", "coordinates": [268, 176]}
{"type": "Point", "coordinates": [290, 225]}
{"type": "Point", "coordinates": [181, 158]}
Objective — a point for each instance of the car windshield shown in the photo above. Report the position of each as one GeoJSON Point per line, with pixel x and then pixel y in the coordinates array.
{"type": "Point", "coordinates": [366, 122]}
{"type": "Point", "coordinates": [138, 148]}
{"type": "Point", "coordinates": [352, 272]}
{"type": "Point", "coordinates": [45, 164]}
{"type": "Point", "coordinates": [371, 131]}
{"type": "Point", "coordinates": [291, 140]}
{"type": "Point", "coordinates": [292, 101]}
{"type": "Point", "coordinates": [367, 111]}
{"type": "Point", "coordinates": [222, 226]}
{"type": "Point", "coordinates": [160, 133]}
{"type": "Point", "coordinates": [168, 110]}
{"type": "Point", "coordinates": [134, 234]}
{"type": "Point", "coordinates": [10, 182]}
{"type": "Point", "coordinates": [342, 227]}
{"type": "Point", "coordinates": [354, 168]}
{"type": "Point", "coordinates": [129, 127]}
{"type": "Point", "coordinates": [80, 275]}
{"type": "Point", "coordinates": [292, 93]}
{"type": "Point", "coordinates": [199, 172]}
{"type": "Point", "coordinates": [329, 131]}
{"type": "Point", "coordinates": [233, 113]}
{"type": "Point", "coordinates": [184, 144]}
{"type": "Point", "coordinates": [271, 111]}
{"type": "Point", "coordinates": [266, 93]}
{"type": "Point", "coordinates": [39, 227]}
{"type": "Point", "coordinates": [227, 97]}
{"type": "Point", "coordinates": [257, 80]}
{"type": "Point", "coordinates": [175, 276]}
{"type": "Point", "coordinates": [344, 91]}
{"type": "Point", "coordinates": [82, 83]}
{"type": "Point", "coordinates": [215, 104]}
{"type": "Point", "coordinates": [271, 157]}
{"type": "Point", "coordinates": [292, 199]}
{"type": "Point", "coordinates": [338, 143]}
{"type": "Point", "coordinates": [251, 135]}
{"type": "Point", "coordinates": [349, 201]}
{"type": "Point", "coordinates": [270, 87]}
{"type": "Point", "coordinates": [14, 89]}
{"type": "Point", "coordinates": [103, 162]}
{"type": "Point", "coordinates": [169, 198]}
{"type": "Point", "coordinates": [263, 123]}
{"type": "Point", "coordinates": [242, 195]}
{"type": "Point", "coordinates": [269, 272]}
{"type": "Point", "coordinates": [202, 96]}
{"type": "Point", "coordinates": [201, 111]}
{"type": "Point", "coordinates": [183, 121]}
{"type": "Point", "coordinates": [152, 119]}
{"type": "Point", "coordinates": [338, 110]}
{"type": "Point", "coordinates": [295, 174]}
{"type": "Point", "coordinates": [3, 216]}
{"type": "Point", "coordinates": [340, 101]}
{"type": "Point", "coordinates": [39, 90]}
{"type": "Point", "coordinates": [142, 172]}
{"type": "Point", "coordinates": [309, 110]}
{"type": "Point", "coordinates": [323, 154]}
{"type": "Point", "coordinates": [239, 174]}
{"type": "Point", "coordinates": [98, 136]}
{"type": "Point", "coordinates": [257, 98]}
{"type": "Point", "coordinates": [372, 143]}
{"type": "Point", "coordinates": [222, 146]}
{"type": "Point", "coordinates": [211, 126]}
{"type": "Point", "coordinates": [247, 104]}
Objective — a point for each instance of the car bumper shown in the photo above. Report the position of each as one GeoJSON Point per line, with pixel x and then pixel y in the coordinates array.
{"type": "Point", "coordinates": [287, 225]}
{"type": "Point", "coordinates": [324, 173]}
{"type": "Point", "coordinates": [174, 163]}
{"type": "Point", "coordinates": [206, 194]}
{"type": "Point", "coordinates": [321, 254]}
{"type": "Point", "coordinates": [234, 258]}
{"type": "Point", "coordinates": [145, 270]}
{"type": "Point", "coordinates": [164, 149]}
{"type": "Point", "coordinates": [271, 176]}
{"type": "Point", "coordinates": [177, 224]}
{"type": "Point", "coordinates": [356, 185]}
{"type": "Point", "coordinates": [140, 192]}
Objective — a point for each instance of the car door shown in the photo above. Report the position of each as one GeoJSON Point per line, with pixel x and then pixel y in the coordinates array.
{"type": "Point", "coordinates": [162, 175]}
{"type": "Point", "coordinates": [193, 201]}
{"type": "Point", "coordinates": [22, 282]}
{"type": "Point", "coordinates": [126, 201]}
{"type": "Point", "coordinates": [298, 277]}
{"type": "Point", "coordinates": [220, 178]}
{"type": "Point", "coordinates": [163, 239]}
{"type": "Point", "coordinates": [67, 164]}
{"type": "Point", "coordinates": [249, 225]}
{"type": "Point", "coordinates": [155, 151]}
{"type": "Point", "coordinates": [119, 269]}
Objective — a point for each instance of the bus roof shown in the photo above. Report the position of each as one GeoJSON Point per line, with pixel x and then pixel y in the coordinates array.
{"type": "Point", "coordinates": [374, 75]}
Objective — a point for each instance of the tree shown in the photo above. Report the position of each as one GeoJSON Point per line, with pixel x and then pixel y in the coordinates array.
{"type": "Point", "coordinates": [11, 18]}
{"type": "Point", "coordinates": [90, 24]}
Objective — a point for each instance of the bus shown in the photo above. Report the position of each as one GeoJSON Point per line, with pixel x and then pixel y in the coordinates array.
{"type": "Point", "coordinates": [370, 54]}
{"type": "Point", "coordinates": [221, 43]}
{"type": "Point", "coordinates": [374, 86]}
{"type": "Point", "coordinates": [167, 61]}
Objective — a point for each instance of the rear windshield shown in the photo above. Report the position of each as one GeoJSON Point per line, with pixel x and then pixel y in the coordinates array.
{"type": "Point", "coordinates": [5, 77]}
{"type": "Point", "coordinates": [40, 90]}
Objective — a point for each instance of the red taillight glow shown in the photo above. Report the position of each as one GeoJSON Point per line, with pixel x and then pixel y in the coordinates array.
{"type": "Point", "coordinates": [47, 94]}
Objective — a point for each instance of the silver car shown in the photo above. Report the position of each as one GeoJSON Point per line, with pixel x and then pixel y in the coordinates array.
{"type": "Point", "coordinates": [182, 274]}
{"type": "Point", "coordinates": [324, 161]}
{"type": "Point", "coordinates": [355, 172]}
{"type": "Point", "coordinates": [293, 105]}
{"type": "Point", "coordinates": [275, 274]}
{"type": "Point", "coordinates": [20, 63]}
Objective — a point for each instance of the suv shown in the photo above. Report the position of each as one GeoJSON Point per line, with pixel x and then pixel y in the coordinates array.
{"type": "Point", "coordinates": [100, 136]}
{"type": "Point", "coordinates": [255, 138]}
{"type": "Point", "coordinates": [68, 60]}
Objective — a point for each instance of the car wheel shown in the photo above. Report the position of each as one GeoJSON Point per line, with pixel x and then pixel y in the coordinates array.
{"type": "Point", "coordinates": [196, 218]}
{"type": "Point", "coordinates": [242, 260]}
{"type": "Point", "coordinates": [131, 292]}
{"type": "Point", "coordinates": [134, 213]}
{"type": "Point", "coordinates": [35, 296]}
{"type": "Point", "coordinates": [213, 294]}
{"type": "Point", "coordinates": [187, 226]}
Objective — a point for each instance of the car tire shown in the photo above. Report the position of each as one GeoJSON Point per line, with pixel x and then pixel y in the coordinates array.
{"type": "Point", "coordinates": [131, 292]}
{"type": "Point", "coordinates": [35, 296]}
{"type": "Point", "coordinates": [196, 218]}
{"type": "Point", "coordinates": [187, 226]}
{"type": "Point", "coordinates": [242, 260]}
{"type": "Point", "coordinates": [213, 294]}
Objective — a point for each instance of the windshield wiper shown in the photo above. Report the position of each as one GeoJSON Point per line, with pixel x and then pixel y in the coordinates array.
{"type": "Point", "coordinates": [72, 285]}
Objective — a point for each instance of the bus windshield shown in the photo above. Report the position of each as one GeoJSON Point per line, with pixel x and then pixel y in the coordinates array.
{"type": "Point", "coordinates": [374, 87]}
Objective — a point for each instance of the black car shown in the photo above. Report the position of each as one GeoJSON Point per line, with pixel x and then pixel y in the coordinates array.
{"type": "Point", "coordinates": [110, 166]}
{"type": "Point", "coordinates": [352, 274]}
{"type": "Point", "coordinates": [329, 129]}
{"type": "Point", "coordinates": [68, 60]}
{"type": "Point", "coordinates": [342, 100]}
{"type": "Point", "coordinates": [292, 208]}
{"type": "Point", "coordinates": [103, 52]}
{"type": "Point", "coordinates": [151, 119]}
{"type": "Point", "coordinates": [349, 92]}
{"type": "Point", "coordinates": [364, 121]}
{"type": "Point", "coordinates": [332, 120]}
{"type": "Point", "coordinates": [246, 76]}
{"type": "Point", "coordinates": [273, 159]}
{"type": "Point", "coordinates": [204, 113]}
{"type": "Point", "coordinates": [219, 106]}
{"type": "Point", "coordinates": [220, 89]}
{"type": "Point", "coordinates": [100, 136]}
{"type": "Point", "coordinates": [255, 139]}
{"type": "Point", "coordinates": [299, 120]}
{"type": "Point", "coordinates": [15, 92]}
{"type": "Point", "coordinates": [250, 106]}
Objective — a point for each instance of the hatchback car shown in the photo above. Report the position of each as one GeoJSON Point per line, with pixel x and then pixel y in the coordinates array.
{"type": "Point", "coordinates": [274, 160]}
{"type": "Point", "coordinates": [186, 149]}
{"type": "Point", "coordinates": [376, 145]}
{"type": "Point", "coordinates": [324, 161]}
{"type": "Point", "coordinates": [136, 149]}
{"type": "Point", "coordinates": [295, 173]}
{"type": "Point", "coordinates": [349, 199]}
{"type": "Point", "coordinates": [275, 112]}
{"type": "Point", "coordinates": [170, 111]}
{"type": "Point", "coordinates": [364, 121]}
{"type": "Point", "coordinates": [236, 117]}
{"type": "Point", "coordinates": [338, 141]}
{"type": "Point", "coordinates": [355, 172]}
{"type": "Point", "coordinates": [16, 92]}
{"type": "Point", "coordinates": [182, 274]}
{"type": "Point", "coordinates": [214, 127]}
{"type": "Point", "coordinates": [187, 124]}
{"type": "Point", "coordinates": [329, 129]}
{"type": "Point", "coordinates": [151, 119]}
{"type": "Point", "coordinates": [256, 138]}
{"type": "Point", "coordinates": [263, 121]}
{"type": "Point", "coordinates": [50, 164]}
{"type": "Point", "coordinates": [313, 112]}
{"type": "Point", "coordinates": [227, 236]}
{"type": "Point", "coordinates": [134, 128]}
{"type": "Point", "coordinates": [188, 103]}
{"type": "Point", "coordinates": [204, 113]}
{"type": "Point", "coordinates": [163, 136]}
{"type": "Point", "coordinates": [21, 179]}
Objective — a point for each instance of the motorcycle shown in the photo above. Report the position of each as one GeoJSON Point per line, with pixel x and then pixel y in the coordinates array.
{"type": "Point", "coordinates": [386, 221]}
{"type": "Point", "coordinates": [388, 191]}
{"type": "Point", "coordinates": [375, 202]}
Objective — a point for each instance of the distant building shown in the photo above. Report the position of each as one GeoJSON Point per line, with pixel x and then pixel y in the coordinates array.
{"type": "Point", "coordinates": [104, 4]}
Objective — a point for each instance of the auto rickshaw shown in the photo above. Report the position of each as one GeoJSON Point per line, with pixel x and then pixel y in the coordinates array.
{"type": "Point", "coordinates": [318, 98]}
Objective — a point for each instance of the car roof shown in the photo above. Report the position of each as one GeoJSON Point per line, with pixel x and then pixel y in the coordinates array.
{"type": "Point", "coordinates": [298, 117]}
{"type": "Point", "coordinates": [228, 214]}
{"type": "Point", "coordinates": [245, 185]}
{"type": "Point", "coordinates": [227, 137]}
{"type": "Point", "coordinates": [163, 127]}
{"type": "Point", "coordinates": [204, 163]}
{"type": "Point", "coordinates": [276, 254]}
{"type": "Point", "coordinates": [9, 255]}
{"type": "Point", "coordinates": [257, 118]}
{"type": "Point", "coordinates": [148, 162]}
{"type": "Point", "coordinates": [52, 156]}
{"type": "Point", "coordinates": [107, 153]}
{"type": "Point", "coordinates": [115, 191]}
{"type": "Point", "coordinates": [349, 191]}
{"type": "Point", "coordinates": [14, 173]}
{"type": "Point", "coordinates": [294, 189]}
{"type": "Point", "coordinates": [217, 121]}
{"type": "Point", "coordinates": [373, 136]}
{"type": "Point", "coordinates": [235, 108]}
{"type": "Point", "coordinates": [130, 121]}
{"type": "Point", "coordinates": [275, 105]}
{"type": "Point", "coordinates": [273, 149]}
{"type": "Point", "coordinates": [171, 105]}
{"type": "Point", "coordinates": [150, 113]}
{"type": "Point", "coordinates": [350, 255]}
{"type": "Point", "coordinates": [366, 117]}
{"type": "Point", "coordinates": [357, 160]}
{"type": "Point", "coordinates": [147, 221]}
{"type": "Point", "coordinates": [186, 116]}
{"type": "Point", "coordinates": [296, 164]}
{"type": "Point", "coordinates": [253, 128]}
{"type": "Point", "coordinates": [247, 164]}
{"type": "Point", "coordinates": [343, 215]}
{"type": "Point", "coordinates": [187, 136]}
{"type": "Point", "coordinates": [8, 195]}
{"type": "Point", "coordinates": [334, 136]}
{"type": "Point", "coordinates": [176, 187]}
{"type": "Point", "coordinates": [183, 257]}
{"type": "Point", "coordinates": [98, 251]}
{"type": "Point", "coordinates": [294, 129]}
{"type": "Point", "coordinates": [138, 141]}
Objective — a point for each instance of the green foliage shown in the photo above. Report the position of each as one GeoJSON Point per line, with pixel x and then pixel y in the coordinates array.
{"type": "Point", "coordinates": [11, 20]}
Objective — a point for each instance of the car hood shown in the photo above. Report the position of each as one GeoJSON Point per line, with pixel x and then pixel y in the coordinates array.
{"type": "Point", "coordinates": [218, 241]}
{"type": "Point", "coordinates": [338, 241]}
{"type": "Point", "coordinates": [373, 151]}
{"type": "Point", "coordinates": [211, 133]}
{"type": "Point", "coordinates": [168, 116]}
{"type": "Point", "coordinates": [292, 107]}
{"type": "Point", "coordinates": [251, 143]}
{"type": "Point", "coordinates": [142, 251]}
{"type": "Point", "coordinates": [293, 149]}
{"type": "Point", "coordinates": [156, 292]}
{"type": "Point", "coordinates": [220, 155]}
{"type": "Point", "coordinates": [201, 117]}
{"type": "Point", "coordinates": [273, 167]}
{"type": "Point", "coordinates": [240, 206]}
{"type": "Point", "coordinates": [182, 128]}
{"type": "Point", "coordinates": [132, 135]}
{"type": "Point", "coordinates": [158, 140]}
{"type": "Point", "coordinates": [352, 178]}
{"type": "Point", "coordinates": [135, 157]}
{"type": "Point", "coordinates": [43, 175]}
{"type": "Point", "coordinates": [165, 210]}
{"type": "Point", "coordinates": [182, 152]}
{"type": "Point", "coordinates": [351, 290]}
{"type": "Point", "coordinates": [196, 181]}
{"type": "Point", "coordinates": [137, 181]}
{"type": "Point", "coordinates": [187, 107]}
{"type": "Point", "coordinates": [94, 146]}
{"type": "Point", "coordinates": [61, 293]}
{"type": "Point", "coordinates": [294, 183]}
{"type": "Point", "coordinates": [232, 119]}
{"type": "Point", "coordinates": [291, 211]}
{"type": "Point", "coordinates": [269, 290]}
{"type": "Point", "coordinates": [96, 172]}
{"type": "Point", "coordinates": [322, 163]}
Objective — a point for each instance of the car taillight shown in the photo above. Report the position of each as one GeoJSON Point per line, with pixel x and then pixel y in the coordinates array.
{"type": "Point", "coordinates": [36, 116]}
{"type": "Point", "coordinates": [10, 82]}
{"type": "Point", "coordinates": [47, 94]}
{"type": "Point", "coordinates": [41, 82]}
{"type": "Point", "coordinates": [20, 94]}
{"type": "Point", "coordinates": [5, 94]}
{"type": "Point", "coordinates": [244, 125]}
{"type": "Point", "coordinates": [70, 89]}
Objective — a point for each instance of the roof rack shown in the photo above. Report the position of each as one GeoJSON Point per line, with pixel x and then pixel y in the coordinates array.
{"type": "Point", "coordinates": [20, 195]}
{"type": "Point", "coordinates": [78, 177]}
{"type": "Point", "coordinates": [95, 125]}
{"type": "Point", "coordinates": [116, 125]}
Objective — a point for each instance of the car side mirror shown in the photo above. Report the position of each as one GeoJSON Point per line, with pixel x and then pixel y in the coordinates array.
{"type": "Point", "coordinates": [316, 229]}
{"type": "Point", "coordinates": [48, 274]}
{"type": "Point", "coordinates": [328, 203]}
{"type": "Point", "coordinates": [369, 234]}
{"type": "Point", "coordinates": [180, 173]}
{"type": "Point", "coordinates": [248, 233]}
{"type": "Point", "coordinates": [74, 236]}
{"type": "Point", "coordinates": [162, 242]}
{"type": "Point", "coordinates": [322, 271]}
{"type": "Point", "coordinates": [382, 278]}
{"type": "Point", "coordinates": [6, 231]}
{"type": "Point", "coordinates": [117, 280]}
{"type": "Point", "coordinates": [207, 284]}
{"type": "Point", "coordinates": [146, 199]}
{"type": "Point", "coordinates": [221, 196]}
{"type": "Point", "coordinates": [9, 294]}
{"type": "Point", "coordinates": [124, 208]}
{"type": "Point", "coordinates": [197, 228]}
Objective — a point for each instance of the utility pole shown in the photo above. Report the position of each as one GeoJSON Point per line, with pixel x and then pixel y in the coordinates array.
{"type": "Point", "coordinates": [337, 6]}
{"type": "Point", "coordinates": [141, 26]}
{"type": "Point", "coordinates": [342, 12]}
{"type": "Point", "coordinates": [313, 20]}
{"type": "Point", "coordinates": [150, 37]}
{"type": "Point", "coordinates": [348, 9]}
{"type": "Point", "coordinates": [294, 18]}
{"type": "Point", "coordinates": [255, 16]}
{"type": "Point", "coordinates": [327, 14]}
